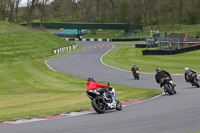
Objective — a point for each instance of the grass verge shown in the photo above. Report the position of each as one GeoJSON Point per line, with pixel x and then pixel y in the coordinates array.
{"type": "Point", "coordinates": [126, 57]}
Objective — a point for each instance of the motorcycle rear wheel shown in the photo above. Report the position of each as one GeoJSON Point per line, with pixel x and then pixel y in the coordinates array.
{"type": "Point", "coordinates": [196, 83]}
{"type": "Point", "coordinates": [168, 89]}
{"type": "Point", "coordinates": [98, 106]}
{"type": "Point", "coordinates": [137, 75]}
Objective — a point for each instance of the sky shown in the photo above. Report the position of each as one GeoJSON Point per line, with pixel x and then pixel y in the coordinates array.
{"type": "Point", "coordinates": [23, 3]}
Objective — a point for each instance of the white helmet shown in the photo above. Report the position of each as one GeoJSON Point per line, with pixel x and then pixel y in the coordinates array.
{"type": "Point", "coordinates": [186, 68]}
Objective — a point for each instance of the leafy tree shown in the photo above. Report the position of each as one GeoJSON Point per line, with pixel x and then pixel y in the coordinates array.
{"type": "Point", "coordinates": [191, 17]}
{"type": "Point", "coordinates": [123, 12]}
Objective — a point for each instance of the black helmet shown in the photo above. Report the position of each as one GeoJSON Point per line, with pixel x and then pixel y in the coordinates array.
{"type": "Point", "coordinates": [134, 64]}
{"type": "Point", "coordinates": [158, 69]}
{"type": "Point", "coordinates": [91, 79]}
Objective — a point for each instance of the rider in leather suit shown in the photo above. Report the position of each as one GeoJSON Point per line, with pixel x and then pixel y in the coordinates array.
{"type": "Point", "coordinates": [134, 68]}
{"type": "Point", "coordinates": [187, 72]}
{"type": "Point", "coordinates": [162, 73]}
{"type": "Point", "coordinates": [91, 84]}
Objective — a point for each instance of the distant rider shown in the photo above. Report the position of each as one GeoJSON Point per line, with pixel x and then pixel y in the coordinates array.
{"type": "Point", "coordinates": [91, 84]}
{"type": "Point", "coordinates": [161, 74]}
{"type": "Point", "coordinates": [134, 68]}
{"type": "Point", "coordinates": [187, 73]}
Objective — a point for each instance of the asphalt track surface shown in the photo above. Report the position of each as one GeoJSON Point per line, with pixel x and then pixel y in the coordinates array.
{"type": "Point", "coordinates": [179, 113]}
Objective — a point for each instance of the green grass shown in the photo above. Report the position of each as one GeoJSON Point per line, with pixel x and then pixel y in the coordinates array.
{"type": "Point", "coordinates": [126, 57]}
{"type": "Point", "coordinates": [28, 46]}
{"type": "Point", "coordinates": [28, 88]}
{"type": "Point", "coordinates": [189, 29]}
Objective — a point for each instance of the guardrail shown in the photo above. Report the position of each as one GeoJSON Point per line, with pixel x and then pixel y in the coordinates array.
{"type": "Point", "coordinates": [57, 51]}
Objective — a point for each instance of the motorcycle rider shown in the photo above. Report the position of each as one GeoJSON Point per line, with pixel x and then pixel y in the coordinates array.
{"type": "Point", "coordinates": [91, 84]}
{"type": "Point", "coordinates": [187, 72]}
{"type": "Point", "coordinates": [162, 73]}
{"type": "Point", "coordinates": [134, 68]}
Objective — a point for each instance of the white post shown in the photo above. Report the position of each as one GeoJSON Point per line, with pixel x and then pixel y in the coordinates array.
{"type": "Point", "coordinates": [178, 43]}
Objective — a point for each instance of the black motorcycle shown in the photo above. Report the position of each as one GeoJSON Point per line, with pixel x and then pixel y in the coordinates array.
{"type": "Point", "coordinates": [168, 85]}
{"type": "Point", "coordinates": [136, 74]}
{"type": "Point", "coordinates": [100, 102]}
{"type": "Point", "coordinates": [193, 79]}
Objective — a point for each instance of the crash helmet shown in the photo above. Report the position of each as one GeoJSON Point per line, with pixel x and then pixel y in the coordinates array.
{"type": "Point", "coordinates": [186, 68]}
{"type": "Point", "coordinates": [91, 79]}
{"type": "Point", "coordinates": [158, 69]}
{"type": "Point", "coordinates": [134, 64]}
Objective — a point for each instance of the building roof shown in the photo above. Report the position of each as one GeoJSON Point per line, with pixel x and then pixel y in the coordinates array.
{"type": "Point", "coordinates": [179, 37]}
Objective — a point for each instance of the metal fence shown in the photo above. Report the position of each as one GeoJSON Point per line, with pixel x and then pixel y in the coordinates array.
{"type": "Point", "coordinates": [109, 26]}
{"type": "Point", "coordinates": [16, 30]}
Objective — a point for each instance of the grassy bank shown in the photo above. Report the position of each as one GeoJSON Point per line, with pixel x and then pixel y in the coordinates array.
{"type": "Point", "coordinates": [28, 88]}
{"type": "Point", "coordinates": [125, 58]}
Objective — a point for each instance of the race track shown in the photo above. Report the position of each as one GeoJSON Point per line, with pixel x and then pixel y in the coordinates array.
{"type": "Point", "coordinates": [179, 113]}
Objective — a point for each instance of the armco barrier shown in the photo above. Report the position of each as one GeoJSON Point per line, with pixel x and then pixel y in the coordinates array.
{"type": "Point", "coordinates": [57, 51]}
{"type": "Point", "coordinates": [170, 52]}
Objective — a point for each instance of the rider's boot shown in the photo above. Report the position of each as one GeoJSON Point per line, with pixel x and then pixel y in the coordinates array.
{"type": "Point", "coordinates": [113, 104]}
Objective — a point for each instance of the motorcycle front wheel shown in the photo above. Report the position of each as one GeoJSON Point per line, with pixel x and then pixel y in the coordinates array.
{"type": "Point", "coordinates": [118, 105]}
{"type": "Point", "coordinates": [98, 106]}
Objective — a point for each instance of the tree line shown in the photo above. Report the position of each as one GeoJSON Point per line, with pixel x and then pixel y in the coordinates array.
{"type": "Point", "coordinates": [172, 13]}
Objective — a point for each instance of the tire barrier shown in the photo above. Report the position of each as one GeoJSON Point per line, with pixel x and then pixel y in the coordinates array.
{"type": "Point", "coordinates": [146, 45]}
{"type": "Point", "coordinates": [106, 40]}
{"type": "Point", "coordinates": [86, 39]}
{"type": "Point", "coordinates": [170, 52]}
{"type": "Point", "coordinates": [132, 39]}
{"type": "Point", "coordinates": [57, 51]}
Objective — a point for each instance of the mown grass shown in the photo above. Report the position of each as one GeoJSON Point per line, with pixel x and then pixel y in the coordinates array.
{"type": "Point", "coordinates": [28, 46]}
{"type": "Point", "coordinates": [125, 58]}
{"type": "Point", "coordinates": [28, 88]}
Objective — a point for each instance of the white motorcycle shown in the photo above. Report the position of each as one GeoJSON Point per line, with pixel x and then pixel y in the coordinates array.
{"type": "Point", "coordinates": [104, 101]}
